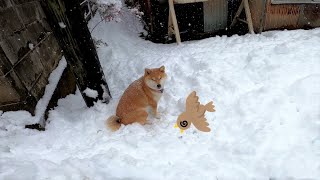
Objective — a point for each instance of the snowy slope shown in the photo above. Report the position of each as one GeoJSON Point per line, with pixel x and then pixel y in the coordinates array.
{"type": "Point", "coordinates": [266, 125]}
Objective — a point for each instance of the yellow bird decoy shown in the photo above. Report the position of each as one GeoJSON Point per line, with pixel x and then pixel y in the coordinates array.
{"type": "Point", "coordinates": [194, 114]}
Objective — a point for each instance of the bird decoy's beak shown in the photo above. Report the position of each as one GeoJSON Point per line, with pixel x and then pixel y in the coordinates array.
{"type": "Point", "coordinates": [176, 126]}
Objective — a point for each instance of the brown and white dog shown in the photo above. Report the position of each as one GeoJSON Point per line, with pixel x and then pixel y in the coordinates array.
{"type": "Point", "coordinates": [141, 94]}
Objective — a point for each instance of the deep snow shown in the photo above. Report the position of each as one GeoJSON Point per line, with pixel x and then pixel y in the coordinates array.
{"type": "Point", "coordinates": [266, 125]}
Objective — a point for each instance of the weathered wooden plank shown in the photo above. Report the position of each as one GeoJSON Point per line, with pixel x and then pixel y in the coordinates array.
{"type": "Point", "coordinates": [174, 21]}
{"type": "Point", "coordinates": [237, 14]}
{"type": "Point", "coordinates": [248, 14]}
{"type": "Point", "coordinates": [75, 40]}
{"type": "Point", "coordinates": [258, 12]}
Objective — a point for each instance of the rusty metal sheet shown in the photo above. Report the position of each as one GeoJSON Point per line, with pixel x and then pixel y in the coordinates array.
{"type": "Point", "coordinates": [281, 16]}
{"type": "Point", "coordinates": [310, 17]}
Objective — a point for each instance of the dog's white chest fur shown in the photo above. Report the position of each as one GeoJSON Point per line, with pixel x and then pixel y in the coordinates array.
{"type": "Point", "coordinates": [156, 96]}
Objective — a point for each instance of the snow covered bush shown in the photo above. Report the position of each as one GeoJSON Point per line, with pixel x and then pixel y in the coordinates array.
{"type": "Point", "coordinates": [111, 9]}
{"type": "Point", "coordinates": [135, 11]}
{"type": "Point", "coordinates": [108, 9]}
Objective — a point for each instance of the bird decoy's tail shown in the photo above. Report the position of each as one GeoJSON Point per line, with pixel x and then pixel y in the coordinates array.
{"type": "Point", "coordinates": [210, 107]}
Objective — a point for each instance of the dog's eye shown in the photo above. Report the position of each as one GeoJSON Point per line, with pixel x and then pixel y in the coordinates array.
{"type": "Point", "coordinates": [153, 79]}
{"type": "Point", "coordinates": [160, 78]}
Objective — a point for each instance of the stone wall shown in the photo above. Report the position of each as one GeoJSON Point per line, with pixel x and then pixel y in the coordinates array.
{"type": "Point", "coordinates": [28, 54]}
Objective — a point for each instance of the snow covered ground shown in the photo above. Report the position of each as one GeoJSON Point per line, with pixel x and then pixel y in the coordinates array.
{"type": "Point", "coordinates": [266, 89]}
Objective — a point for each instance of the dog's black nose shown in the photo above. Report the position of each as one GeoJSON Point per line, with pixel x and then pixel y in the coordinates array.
{"type": "Point", "coordinates": [159, 86]}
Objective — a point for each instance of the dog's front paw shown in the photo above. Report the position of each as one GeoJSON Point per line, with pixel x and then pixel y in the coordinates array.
{"type": "Point", "coordinates": [158, 116]}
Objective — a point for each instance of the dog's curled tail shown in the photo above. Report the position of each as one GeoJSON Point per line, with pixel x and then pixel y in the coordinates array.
{"type": "Point", "coordinates": [113, 122]}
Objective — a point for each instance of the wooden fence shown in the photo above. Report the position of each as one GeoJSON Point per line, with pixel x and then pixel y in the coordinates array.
{"type": "Point", "coordinates": [31, 45]}
{"type": "Point", "coordinates": [28, 54]}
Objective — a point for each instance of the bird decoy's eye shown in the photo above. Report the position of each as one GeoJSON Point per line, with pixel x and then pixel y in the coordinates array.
{"type": "Point", "coordinates": [184, 123]}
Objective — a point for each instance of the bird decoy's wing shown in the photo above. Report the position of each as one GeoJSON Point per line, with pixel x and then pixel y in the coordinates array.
{"type": "Point", "coordinates": [192, 103]}
{"type": "Point", "coordinates": [201, 124]}
{"type": "Point", "coordinates": [201, 110]}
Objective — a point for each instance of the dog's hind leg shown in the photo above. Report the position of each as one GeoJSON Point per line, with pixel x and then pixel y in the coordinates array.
{"type": "Point", "coordinates": [139, 116]}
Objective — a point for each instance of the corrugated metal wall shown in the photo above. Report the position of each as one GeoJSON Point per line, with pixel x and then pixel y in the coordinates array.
{"type": "Point", "coordinates": [293, 1]}
{"type": "Point", "coordinates": [215, 15]}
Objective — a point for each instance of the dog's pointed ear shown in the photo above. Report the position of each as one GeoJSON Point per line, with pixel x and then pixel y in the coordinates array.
{"type": "Point", "coordinates": [162, 68]}
{"type": "Point", "coordinates": [147, 71]}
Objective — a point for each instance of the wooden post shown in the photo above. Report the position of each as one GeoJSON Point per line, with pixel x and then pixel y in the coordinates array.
{"type": "Point", "coordinates": [244, 4]}
{"type": "Point", "coordinates": [174, 21]}
{"type": "Point", "coordinates": [170, 26]}
{"type": "Point", "coordinates": [70, 28]}
{"type": "Point", "coordinates": [237, 15]}
{"type": "Point", "coordinates": [248, 14]}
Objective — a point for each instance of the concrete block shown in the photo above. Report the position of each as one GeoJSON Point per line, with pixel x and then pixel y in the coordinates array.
{"type": "Point", "coordinates": [7, 93]}
{"type": "Point", "coordinates": [13, 45]}
{"type": "Point", "coordinates": [38, 89]}
{"type": "Point", "coordinates": [23, 1]}
{"type": "Point", "coordinates": [5, 65]}
{"type": "Point", "coordinates": [30, 12]}
{"type": "Point", "coordinates": [5, 4]}
{"type": "Point", "coordinates": [50, 53]}
{"type": "Point", "coordinates": [30, 69]}
{"type": "Point", "coordinates": [9, 21]}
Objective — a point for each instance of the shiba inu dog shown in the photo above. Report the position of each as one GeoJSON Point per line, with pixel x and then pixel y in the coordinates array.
{"type": "Point", "coordinates": [141, 94]}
